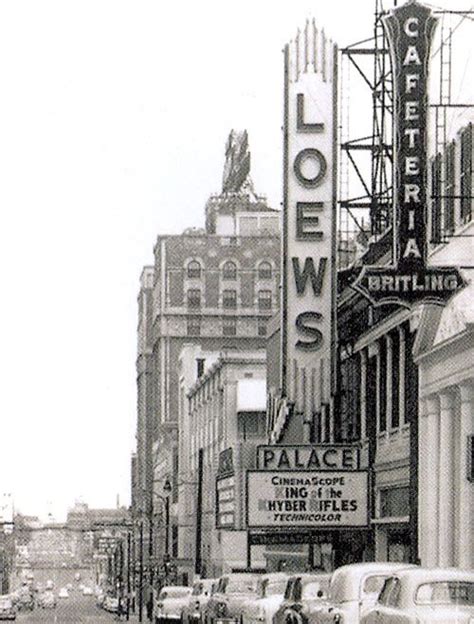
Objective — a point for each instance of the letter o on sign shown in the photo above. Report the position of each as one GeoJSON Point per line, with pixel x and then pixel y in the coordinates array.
{"type": "Point", "coordinates": [307, 154]}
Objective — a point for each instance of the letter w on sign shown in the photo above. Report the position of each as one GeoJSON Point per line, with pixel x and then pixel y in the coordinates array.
{"type": "Point", "coordinates": [309, 272]}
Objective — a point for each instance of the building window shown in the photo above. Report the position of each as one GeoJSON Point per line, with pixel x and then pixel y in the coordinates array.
{"type": "Point", "coordinates": [262, 328]}
{"type": "Point", "coordinates": [248, 226]}
{"type": "Point", "coordinates": [264, 270]}
{"type": "Point", "coordinates": [264, 299]}
{"type": "Point", "coordinates": [394, 502]}
{"type": "Point", "coordinates": [449, 190]}
{"type": "Point", "coordinates": [269, 225]}
{"type": "Point", "coordinates": [193, 327]}
{"type": "Point", "coordinates": [229, 299]}
{"type": "Point", "coordinates": [436, 200]}
{"type": "Point", "coordinates": [194, 298]}
{"type": "Point", "coordinates": [466, 174]}
{"type": "Point", "coordinates": [193, 270]}
{"type": "Point", "coordinates": [229, 271]}
{"type": "Point", "coordinates": [229, 327]}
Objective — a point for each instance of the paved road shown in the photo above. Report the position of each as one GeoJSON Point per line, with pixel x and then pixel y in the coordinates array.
{"type": "Point", "coordinates": [76, 609]}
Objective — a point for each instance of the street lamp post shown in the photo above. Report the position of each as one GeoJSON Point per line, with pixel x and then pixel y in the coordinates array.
{"type": "Point", "coordinates": [164, 499]}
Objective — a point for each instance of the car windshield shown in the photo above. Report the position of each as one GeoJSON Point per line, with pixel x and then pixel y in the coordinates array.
{"type": "Point", "coordinates": [241, 586]}
{"type": "Point", "coordinates": [197, 589]}
{"type": "Point", "coordinates": [315, 589]}
{"type": "Point", "coordinates": [373, 584]}
{"type": "Point", "coordinates": [275, 588]}
{"type": "Point", "coordinates": [446, 593]}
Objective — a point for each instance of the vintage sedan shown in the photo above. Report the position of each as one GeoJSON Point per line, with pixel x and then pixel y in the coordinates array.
{"type": "Point", "coordinates": [353, 590]}
{"type": "Point", "coordinates": [170, 603]}
{"type": "Point", "coordinates": [7, 609]}
{"type": "Point", "coordinates": [193, 610]}
{"type": "Point", "coordinates": [422, 596]}
{"type": "Point", "coordinates": [232, 593]}
{"type": "Point", "coordinates": [310, 593]}
{"type": "Point", "coordinates": [270, 592]}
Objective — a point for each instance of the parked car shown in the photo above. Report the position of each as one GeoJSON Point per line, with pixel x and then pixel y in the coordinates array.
{"type": "Point", "coordinates": [111, 604]}
{"type": "Point", "coordinates": [353, 590]}
{"type": "Point", "coordinates": [270, 592]}
{"type": "Point", "coordinates": [7, 608]}
{"type": "Point", "coordinates": [292, 594]}
{"type": "Point", "coordinates": [47, 600]}
{"type": "Point", "coordinates": [170, 603]}
{"type": "Point", "coordinates": [310, 593]}
{"type": "Point", "coordinates": [232, 593]}
{"type": "Point", "coordinates": [193, 609]}
{"type": "Point", "coordinates": [25, 601]}
{"type": "Point", "coordinates": [99, 598]}
{"type": "Point", "coordinates": [63, 593]}
{"type": "Point", "coordinates": [425, 595]}
{"type": "Point", "coordinates": [87, 591]}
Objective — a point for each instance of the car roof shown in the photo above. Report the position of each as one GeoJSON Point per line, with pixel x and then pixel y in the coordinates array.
{"type": "Point", "coordinates": [169, 587]}
{"type": "Point", "coordinates": [428, 575]}
{"type": "Point", "coordinates": [275, 576]}
{"type": "Point", "coordinates": [243, 575]}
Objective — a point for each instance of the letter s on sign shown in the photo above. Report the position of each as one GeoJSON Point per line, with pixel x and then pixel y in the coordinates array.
{"type": "Point", "coordinates": [304, 324]}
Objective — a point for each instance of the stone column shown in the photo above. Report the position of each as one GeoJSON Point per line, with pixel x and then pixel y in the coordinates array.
{"type": "Point", "coordinates": [363, 394]}
{"type": "Point", "coordinates": [389, 382]}
{"type": "Point", "coordinates": [465, 488]}
{"type": "Point", "coordinates": [446, 479]}
{"type": "Point", "coordinates": [428, 485]}
{"type": "Point", "coordinates": [401, 377]}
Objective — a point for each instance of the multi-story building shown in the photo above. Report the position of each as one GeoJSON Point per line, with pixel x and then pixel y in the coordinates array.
{"type": "Point", "coordinates": [444, 352]}
{"type": "Point", "coordinates": [226, 412]}
{"type": "Point", "coordinates": [216, 288]}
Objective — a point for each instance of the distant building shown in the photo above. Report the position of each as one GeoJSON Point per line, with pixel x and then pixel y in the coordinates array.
{"type": "Point", "coordinates": [215, 288]}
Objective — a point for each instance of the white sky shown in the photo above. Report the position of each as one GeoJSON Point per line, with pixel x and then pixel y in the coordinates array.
{"type": "Point", "coordinates": [113, 120]}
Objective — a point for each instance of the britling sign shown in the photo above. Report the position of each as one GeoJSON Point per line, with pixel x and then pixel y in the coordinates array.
{"type": "Point", "coordinates": [410, 30]}
{"type": "Point", "coordinates": [309, 219]}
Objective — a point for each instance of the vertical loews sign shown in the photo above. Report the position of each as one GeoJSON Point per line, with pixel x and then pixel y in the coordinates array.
{"type": "Point", "coordinates": [410, 31]}
{"type": "Point", "coordinates": [309, 219]}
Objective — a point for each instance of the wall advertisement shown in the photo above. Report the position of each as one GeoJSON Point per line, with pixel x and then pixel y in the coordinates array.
{"type": "Point", "coordinates": [322, 500]}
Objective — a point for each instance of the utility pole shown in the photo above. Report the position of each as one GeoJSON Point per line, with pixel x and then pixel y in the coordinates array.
{"type": "Point", "coordinates": [150, 559]}
{"type": "Point", "coordinates": [129, 559]}
{"type": "Point", "coordinates": [140, 578]}
{"type": "Point", "coordinates": [197, 557]}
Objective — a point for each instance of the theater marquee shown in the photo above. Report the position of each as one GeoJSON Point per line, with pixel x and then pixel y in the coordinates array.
{"type": "Point", "coordinates": [285, 499]}
{"type": "Point", "coordinates": [410, 30]}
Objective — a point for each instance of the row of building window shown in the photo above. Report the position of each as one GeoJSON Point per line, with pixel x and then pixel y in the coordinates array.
{"type": "Point", "coordinates": [194, 270]}
{"type": "Point", "coordinates": [449, 191]}
{"type": "Point", "coordinates": [229, 327]}
{"type": "Point", "coordinates": [229, 299]}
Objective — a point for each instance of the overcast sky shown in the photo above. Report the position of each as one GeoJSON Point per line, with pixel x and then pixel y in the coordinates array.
{"type": "Point", "coordinates": [113, 120]}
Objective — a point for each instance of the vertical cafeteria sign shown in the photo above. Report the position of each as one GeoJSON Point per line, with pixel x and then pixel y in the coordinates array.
{"type": "Point", "coordinates": [410, 31]}
{"type": "Point", "coordinates": [309, 219]}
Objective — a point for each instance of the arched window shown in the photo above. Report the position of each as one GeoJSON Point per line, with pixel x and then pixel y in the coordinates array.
{"type": "Point", "coordinates": [193, 269]}
{"type": "Point", "coordinates": [264, 270]}
{"type": "Point", "coordinates": [229, 270]}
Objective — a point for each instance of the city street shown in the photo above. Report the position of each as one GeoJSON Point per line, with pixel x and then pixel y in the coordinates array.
{"type": "Point", "coordinates": [76, 609]}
